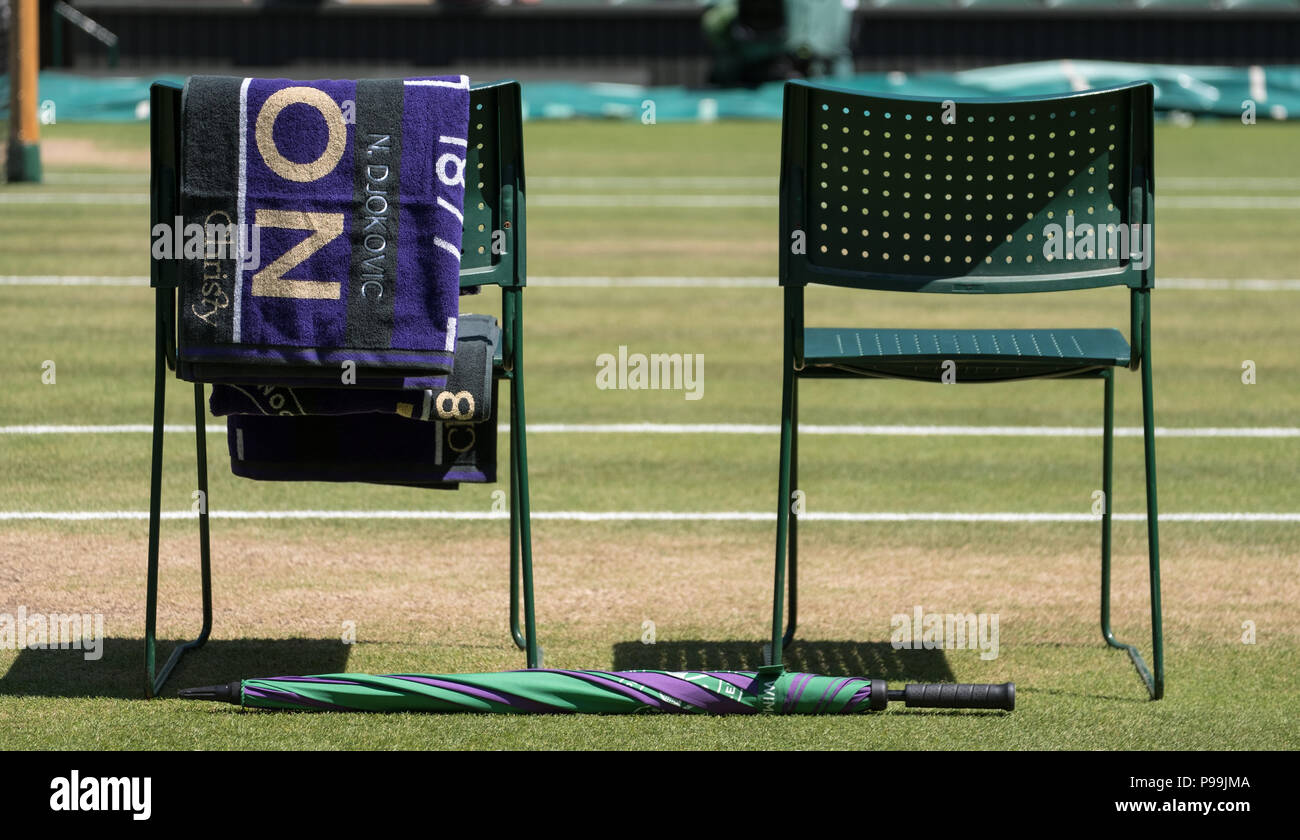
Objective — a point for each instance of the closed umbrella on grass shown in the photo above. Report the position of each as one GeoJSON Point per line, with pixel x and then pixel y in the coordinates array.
{"type": "Point", "coordinates": [768, 691]}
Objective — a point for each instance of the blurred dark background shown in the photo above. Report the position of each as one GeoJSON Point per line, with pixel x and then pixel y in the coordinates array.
{"type": "Point", "coordinates": [649, 41]}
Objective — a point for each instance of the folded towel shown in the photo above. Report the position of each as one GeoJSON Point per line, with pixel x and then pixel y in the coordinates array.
{"type": "Point", "coordinates": [375, 448]}
{"type": "Point", "coordinates": [307, 378]}
{"type": "Point", "coordinates": [349, 196]}
{"type": "Point", "coordinates": [465, 395]}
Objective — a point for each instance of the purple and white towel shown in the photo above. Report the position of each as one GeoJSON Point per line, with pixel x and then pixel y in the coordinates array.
{"type": "Point", "coordinates": [331, 217]}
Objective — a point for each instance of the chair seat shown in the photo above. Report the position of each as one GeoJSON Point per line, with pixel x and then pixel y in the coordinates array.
{"type": "Point", "coordinates": [981, 355]}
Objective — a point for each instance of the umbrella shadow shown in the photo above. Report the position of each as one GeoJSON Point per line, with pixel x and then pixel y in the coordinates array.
{"type": "Point", "coordinates": [119, 672]}
{"type": "Point", "coordinates": [877, 660]}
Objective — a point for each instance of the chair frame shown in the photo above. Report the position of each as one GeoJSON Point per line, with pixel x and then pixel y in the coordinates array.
{"type": "Point", "coordinates": [498, 106]}
{"type": "Point", "coordinates": [797, 272]}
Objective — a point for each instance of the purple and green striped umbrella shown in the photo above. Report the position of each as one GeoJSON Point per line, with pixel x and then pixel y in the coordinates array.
{"type": "Point", "coordinates": [543, 691]}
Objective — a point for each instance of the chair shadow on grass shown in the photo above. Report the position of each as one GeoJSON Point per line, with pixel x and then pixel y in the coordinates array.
{"type": "Point", "coordinates": [876, 660]}
{"type": "Point", "coordinates": [119, 673]}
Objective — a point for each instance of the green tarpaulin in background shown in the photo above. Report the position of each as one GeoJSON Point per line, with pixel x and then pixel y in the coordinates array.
{"type": "Point", "coordinates": [1196, 90]}
{"type": "Point", "coordinates": [1191, 89]}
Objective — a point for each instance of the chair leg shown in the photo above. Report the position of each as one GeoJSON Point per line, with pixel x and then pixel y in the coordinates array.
{"type": "Point", "coordinates": [792, 549]}
{"type": "Point", "coordinates": [155, 681]}
{"type": "Point", "coordinates": [205, 534]}
{"type": "Point", "coordinates": [1107, 471]}
{"type": "Point", "coordinates": [1155, 685]}
{"type": "Point", "coordinates": [155, 503]}
{"type": "Point", "coordinates": [776, 654]}
{"type": "Point", "coordinates": [520, 513]}
{"type": "Point", "coordinates": [515, 631]}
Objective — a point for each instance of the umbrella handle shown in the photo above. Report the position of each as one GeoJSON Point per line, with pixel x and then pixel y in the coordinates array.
{"type": "Point", "coordinates": [231, 692]}
{"type": "Point", "coordinates": [957, 696]}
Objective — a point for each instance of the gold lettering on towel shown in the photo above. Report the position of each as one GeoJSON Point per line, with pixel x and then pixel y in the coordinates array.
{"type": "Point", "coordinates": [448, 405]}
{"type": "Point", "coordinates": [468, 429]}
{"type": "Point", "coordinates": [329, 157]}
{"type": "Point", "coordinates": [271, 282]}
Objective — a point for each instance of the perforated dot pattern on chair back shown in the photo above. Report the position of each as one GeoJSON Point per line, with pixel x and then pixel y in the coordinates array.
{"type": "Point", "coordinates": [964, 189]}
{"type": "Point", "coordinates": [482, 182]}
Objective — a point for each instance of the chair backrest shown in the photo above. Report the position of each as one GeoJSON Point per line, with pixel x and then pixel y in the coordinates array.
{"type": "Point", "coordinates": [493, 242]}
{"type": "Point", "coordinates": [492, 247]}
{"type": "Point", "coordinates": [931, 195]}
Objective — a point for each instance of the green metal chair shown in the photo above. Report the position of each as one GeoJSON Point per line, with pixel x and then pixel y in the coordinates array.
{"type": "Point", "coordinates": [494, 201]}
{"type": "Point", "coordinates": [909, 195]}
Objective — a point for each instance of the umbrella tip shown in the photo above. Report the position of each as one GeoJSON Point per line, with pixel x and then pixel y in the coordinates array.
{"type": "Point", "coordinates": [231, 692]}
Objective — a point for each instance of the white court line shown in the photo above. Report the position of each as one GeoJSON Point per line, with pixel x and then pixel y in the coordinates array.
{"type": "Point", "coordinates": [1228, 202]}
{"type": "Point", "coordinates": [623, 182]}
{"type": "Point", "coordinates": [749, 429]}
{"type": "Point", "coordinates": [72, 280]}
{"type": "Point", "coordinates": [73, 198]}
{"type": "Point", "coordinates": [1243, 285]}
{"type": "Point", "coordinates": [651, 282]}
{"type": "Point", "coordinates": [125, 429]}
{"type": "Point", "coordinates": [638, 516]}
{"type": "Point", "coordinates": [88, 178]}
{"type": "Point", "coordinates": [1264, 184]}
{"type": "Point", "coordinates": [678, 201]}
{"type": "Point", "coordinates": [669, 282]}
{"type": "Point", "coordinates": [758, 282]}
{"type": "Point", "coordinates": [651, 200]}
{"type": "Point", "coordinates": [721, 182]}
{"type": "Point", "coordinates": [705, 201]}
{"type": "Point", "coordinates": [906, 431]}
